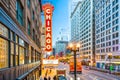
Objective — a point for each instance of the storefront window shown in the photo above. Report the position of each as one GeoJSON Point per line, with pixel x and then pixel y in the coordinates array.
{"type": "Point", "coordinates": [3, 53]}
{"type": "Point", "coordinates": [12, 36]}
{"type": "Point", "coordinates": [21, 42]}
{"type": "Point", "coordinates": [21, 55]}
{"type": "Point", "coordinates": [3, 30]}
{"type": "Point", "coordinates": [12, 53]}
{"type": "Point", "coordinates": [16, 39]}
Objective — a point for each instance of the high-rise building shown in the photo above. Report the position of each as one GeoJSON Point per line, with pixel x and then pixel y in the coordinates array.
{"type": "Point", "coordinates": [20, 54]}
{"type": "Point", "coordinates": [82, 29]}
{"type": "Point", "coordinates": [72, 5]}
{"type": "Point", "coordinates": [107, 23]}
{"type": "Point", "coordinates": [60, 47]}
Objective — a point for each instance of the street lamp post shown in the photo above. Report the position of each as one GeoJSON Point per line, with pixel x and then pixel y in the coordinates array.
{"type": "Point", "coordinates": [75, 64]}
{"type": "Point", "coordinates": [74, 48]}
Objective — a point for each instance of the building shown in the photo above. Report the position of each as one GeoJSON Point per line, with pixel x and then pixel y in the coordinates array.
{"type": "Point", "coordinates": [107, 23]}
{"type": "Point", "coordinates": [82, 29]}
{"type": "Point", "coordinates": [53, 52]}
{"type": "Point", "coordinates": [61, 47]}
{"type": "Point", "coordinates": [20, 52]}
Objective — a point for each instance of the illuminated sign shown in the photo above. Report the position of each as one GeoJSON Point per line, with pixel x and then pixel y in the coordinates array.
{"type": "Point", "coordinates": [50, 61]}
{"type": "Point", "coordinates": [48, 9]}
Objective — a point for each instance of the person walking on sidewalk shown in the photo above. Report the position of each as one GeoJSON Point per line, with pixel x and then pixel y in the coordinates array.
{"type": "Point", "coordinates": [45, 78]}
{"type": "Point", "coordinates": [49, 78]}
{"type": "Point", "coordinates": [41, 78]}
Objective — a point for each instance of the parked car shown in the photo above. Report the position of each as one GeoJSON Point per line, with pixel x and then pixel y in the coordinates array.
{"type": "Point", "coordinates": [87, 67]}
{"type": "Point", "coordinates": [62, 78]}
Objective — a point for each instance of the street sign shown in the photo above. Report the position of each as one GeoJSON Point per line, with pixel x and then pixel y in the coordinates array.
{"type": "Point", "coordinates": [50, 61]}
{"type": "Point", "coordinates": [61, 72]}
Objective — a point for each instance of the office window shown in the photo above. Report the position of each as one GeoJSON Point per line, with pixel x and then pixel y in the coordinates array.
{"type": "Point", "coordinates": [113, 48]}
{"type": "Point", "coordinates": [115, 22]}
{"type": "Point", "coordinates": [108, 19]}
{"type": "Point", "coordinates": [114, 2]}
{"type": "Point", "coordinates": [21, 58]}
{"type": "Point", "coordinates": [115, 15]}
{"type": "Point", "coordinates": [108, 25]}
{"type": "Point", "coordinates": [117, 48]}
{"type": "Point", "coordinates": [115, 35]}
{"type": "Point", "coordinates": [115, 8]}
{"type": "Point", "coordinates": [28, 3]}
{"type": "Point", "coordinates": [116, 28]}
{"type": "Point", "coordinates": [19, 12]}
{"type": "Point", "coordinates": [3, 53]}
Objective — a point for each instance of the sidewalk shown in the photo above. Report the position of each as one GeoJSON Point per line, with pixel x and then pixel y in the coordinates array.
{"type": "Point", "coordinates": [106, 72]}
{"type": "Point", "coordinates": [51, 74]}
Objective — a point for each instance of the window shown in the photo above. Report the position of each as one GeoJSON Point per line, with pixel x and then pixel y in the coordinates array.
{"type": "Point", "coordinates": [115, 8]}
{"type": "Point", "coordinates": [21, 42]}
{"type": "Point", "coordinates": [108, 19]}
{"type": "Point", "coordinates": [114, 2]}
{"type": "Point", "coordinates": [115, 15]}
{"type": "Point", "coordinates": [115, 35]}
{"type": "Point", "coordinates": [21, 59]}
{"type": "Point", "coordinates": [12, 54]}
{"type": "Point", "coordinates": [117, 48]}
{"type": "Point", "coordinates": [3, 31]}
{"type": "Point", "coordinates": [115, 42]}
{"type": "Point", "coordinates": [3, 53]}
{"type": "Point", "coordinates": [108, 25]}
{"type": "Point", "coordinates": [116, 28]}
{"type": "Point", "coordinates": [29, 28]}
{"type": "Point", "coordinates": [19, 12]}
{"type": "Point", "coordinates": [28, 3]}
{"type": "Point", "coordinates": [16, 55]}
{"type": "Point", "coordinates": [108, 13]}
{"type": "Point", "coordinates": [33, 15]}
{"type": "Point", "coordinates": [33, 34]}
{"type": "Point", "coordinates": [115, 22]}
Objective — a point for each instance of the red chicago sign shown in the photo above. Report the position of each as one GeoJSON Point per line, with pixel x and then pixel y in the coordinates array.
{"type": "Point", "coordinates": [48, 9]}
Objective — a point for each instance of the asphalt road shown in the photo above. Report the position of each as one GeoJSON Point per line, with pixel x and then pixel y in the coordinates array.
{"type": "Point", "coordinates": [87, 74]}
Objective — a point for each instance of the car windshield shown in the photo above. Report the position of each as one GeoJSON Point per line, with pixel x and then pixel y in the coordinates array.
{"type": "Point", "coordinates": [61, 78]}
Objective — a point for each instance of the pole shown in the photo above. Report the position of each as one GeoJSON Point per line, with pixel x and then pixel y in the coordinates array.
{"type": "Point", "coordinates": [75, 65]}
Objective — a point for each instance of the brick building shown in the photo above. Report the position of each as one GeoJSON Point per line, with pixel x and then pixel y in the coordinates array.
{"type": "Point", "coordinates": [20, 52]}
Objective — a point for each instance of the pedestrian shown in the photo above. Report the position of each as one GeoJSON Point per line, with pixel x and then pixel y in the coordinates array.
{"type": "Point", "coordinates": [50, 70]}
{"type": "Point", "coordinates": [54, 78]}
{"type": "Point", "coordinates": [40, 78]}
{"type": "Point", "coordinates": [49, 78]}
{"type": "Point", "coordinates": [45, 78]}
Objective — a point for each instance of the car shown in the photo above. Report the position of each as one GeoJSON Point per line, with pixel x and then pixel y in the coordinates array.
{"type": "Point", "coordinates": [87, 68]}
{"type": "Point", "coordinates": [62, 78]}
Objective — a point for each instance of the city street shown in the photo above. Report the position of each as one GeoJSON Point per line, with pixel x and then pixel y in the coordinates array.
{"type": "Point", "coordinates": [87, 74]}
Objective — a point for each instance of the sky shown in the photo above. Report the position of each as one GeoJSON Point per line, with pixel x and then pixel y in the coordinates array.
{"type": "Point", "coordinates": [60, 19]}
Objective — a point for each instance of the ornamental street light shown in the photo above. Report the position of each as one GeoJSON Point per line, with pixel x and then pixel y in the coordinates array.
{"type": "Point", "coordinates": [74, 47]}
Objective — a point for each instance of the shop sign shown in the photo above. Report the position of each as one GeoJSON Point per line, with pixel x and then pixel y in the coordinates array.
{"type": "Point", "coordinates": [48, 9]}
